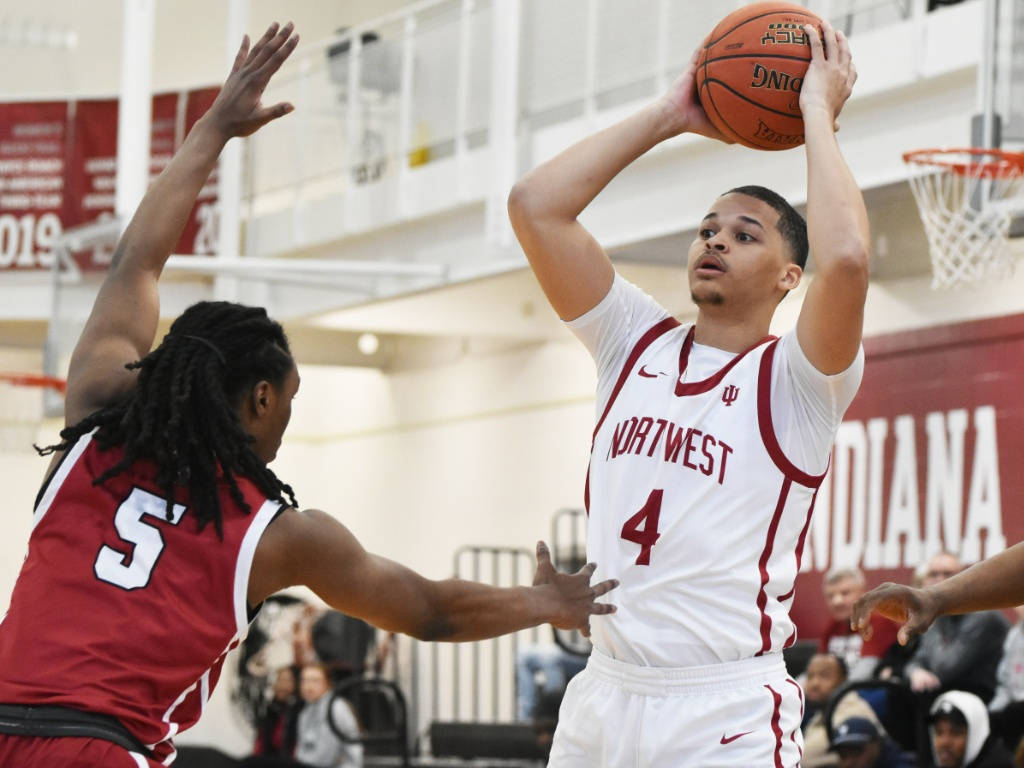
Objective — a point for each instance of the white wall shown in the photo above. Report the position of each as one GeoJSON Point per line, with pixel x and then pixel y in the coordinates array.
{"type": "Point", "coordinates": [188, 49]}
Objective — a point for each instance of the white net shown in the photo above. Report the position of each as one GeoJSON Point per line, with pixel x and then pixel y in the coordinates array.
{"type": "Point", "coordinates": [967, 199]}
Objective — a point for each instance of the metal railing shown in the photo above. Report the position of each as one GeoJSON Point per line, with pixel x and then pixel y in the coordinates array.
{"type": "Point", "coordinates": [381, 104]}
{"type": "Point", "coordinates": [476, 682]}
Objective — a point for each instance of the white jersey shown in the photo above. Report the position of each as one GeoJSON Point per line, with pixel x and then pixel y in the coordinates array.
{"type": "Point", "coordinates": [693, 504]}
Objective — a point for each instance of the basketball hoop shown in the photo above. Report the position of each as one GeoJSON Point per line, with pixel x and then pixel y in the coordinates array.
{"type": "Point", "coordinates": [23, 408]}
{"type": "Point", "coordinates": [966, 198]}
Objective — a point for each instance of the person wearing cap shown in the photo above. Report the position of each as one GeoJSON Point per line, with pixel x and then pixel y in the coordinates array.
{"type": "Point", "coordinates": [825, 674]}
{"type": "Point", "coordinates": [860, 744]}
{"type": "Point", "coordinates": [958, 728]}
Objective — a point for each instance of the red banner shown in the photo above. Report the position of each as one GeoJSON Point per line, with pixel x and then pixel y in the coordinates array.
{"type": "Point", "coordinates": [58, 166]}
{"type": "Point", "coordinates": [33, 145]}
{"type": "Point", "coordinates": [92, 172]}
{"type": "Point", "coordinates": [928, 458]}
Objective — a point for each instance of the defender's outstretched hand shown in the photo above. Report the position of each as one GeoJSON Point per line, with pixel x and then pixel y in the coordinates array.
{"type": "Point", "coordinates": [915, 609]}
{"type": "Point", "coordinates": [576, 596]}
{"type": "Point", "coordinates": [238, 110]}
{"type": "Point", "coordinates": [124, 320]}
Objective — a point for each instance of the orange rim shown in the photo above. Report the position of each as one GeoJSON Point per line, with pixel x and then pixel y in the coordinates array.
{"type": "Point", "coordinates": [1004, 163]}
{"type": "Point", "coordinates": [35, 380]}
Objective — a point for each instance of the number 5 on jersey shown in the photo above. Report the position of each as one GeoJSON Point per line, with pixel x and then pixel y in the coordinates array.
{"type": "Point", "coordinates": [647, 536]}
{"type": "Point", "coordinates": [132, 570]}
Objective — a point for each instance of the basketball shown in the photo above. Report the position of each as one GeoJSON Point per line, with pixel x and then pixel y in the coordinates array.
{"type": "Point", "coordinates": [750, 71]}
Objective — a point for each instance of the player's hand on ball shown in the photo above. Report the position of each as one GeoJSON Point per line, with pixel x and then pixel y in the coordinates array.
{"type": "Point", "coordinates": [914, 609]}
{"type": "Point", "coordinates": [831, 74]}
{"type": "Point", "coordinates": [575, 596]}
{"type": "Point", "coordinates": [683, 104]}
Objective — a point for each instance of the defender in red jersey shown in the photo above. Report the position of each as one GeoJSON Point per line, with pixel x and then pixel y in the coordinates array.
{"type": "Point", "coordinates": [160, 529]}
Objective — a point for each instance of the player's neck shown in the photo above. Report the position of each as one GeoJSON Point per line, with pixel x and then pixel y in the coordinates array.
{"type": "Point", "coordinates": [727, 332]}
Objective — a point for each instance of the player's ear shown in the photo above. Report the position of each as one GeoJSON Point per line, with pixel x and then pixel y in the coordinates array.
{"type": "Point", "coordinates": [259, 397]}
{"type": "Point", "coordinates": [790, 277]}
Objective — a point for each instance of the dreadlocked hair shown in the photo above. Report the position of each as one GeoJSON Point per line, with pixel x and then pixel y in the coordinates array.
{"type": "Point", "coordinates": [183, 412]}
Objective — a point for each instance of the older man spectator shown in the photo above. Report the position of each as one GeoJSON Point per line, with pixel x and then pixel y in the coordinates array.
{"type": "Point", "coordinates": [958, 652]}
{"type": "Point", "coordinates": [842, 587]}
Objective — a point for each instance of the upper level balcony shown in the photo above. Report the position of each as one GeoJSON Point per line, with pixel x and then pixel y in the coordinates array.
{"type": "Point", "coordinates": [391, 176]}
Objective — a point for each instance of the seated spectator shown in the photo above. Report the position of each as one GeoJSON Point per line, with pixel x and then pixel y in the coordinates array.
{"type": "Point", "coordinates": [317, 745]}
{"type": "Point", "coordinates": [958, 652]}
{"type": "Point", "coordinates": [859, 744]}
{"type": "Point", "coordinates": [842, 587]}
{"type": "Point", "coordinates": [960, 735]}
{"type": "Point", "coordinates": [824, 675]}
{"type": "Point", "coordinates": [276, 727]}
{"type": "Point", "coordinates": [1006, 710]}
{"type": "Point", "coordinates": [544, 668]}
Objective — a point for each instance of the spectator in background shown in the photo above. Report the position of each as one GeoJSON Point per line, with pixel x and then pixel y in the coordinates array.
{"type": "Point", "coordinates": [317, 744]}
{"type": "Point", "coordinates": [959, 652]}
{"type": "Point", "coordinates": [543, 668]}
{"type": "Point", "coordinates": [859, 743]}
{"type": "Point", "coordinates": [1006, 710]}
{"type": "Point", "coordinates": [842, 587]}
{"type": "Point", "coordinates": [960, 734]}
{"type": "Point", "coordinates": [825, 674]}
{"type": "Point", "coordinates": [276, 728]}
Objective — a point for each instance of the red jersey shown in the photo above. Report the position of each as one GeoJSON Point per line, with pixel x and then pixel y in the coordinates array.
{"type": "Point", "coordinates": [848, 645]}
{"type": "Point", "coordinates": [120, 611]}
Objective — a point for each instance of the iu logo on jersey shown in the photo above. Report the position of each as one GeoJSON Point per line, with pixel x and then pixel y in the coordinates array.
{"type": "Point", "coordinates": [730, 394]}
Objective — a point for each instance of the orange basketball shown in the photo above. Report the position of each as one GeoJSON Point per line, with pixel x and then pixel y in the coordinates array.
{"type": "Point", "coordinates": [750, 72]}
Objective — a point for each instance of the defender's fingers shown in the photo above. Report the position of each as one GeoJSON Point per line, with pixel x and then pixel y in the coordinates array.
{"type": "Point", "coordinates": [272, 30]}
{"type": "Point", "coordinates": [280, 55]}
{"type": "Point", "coordinates": [588, 570]}
{"type": "Point", "coordinates": [585, 630]}
{"type": "Point", "coordinates": [543, 553]}
{"type": "Point", "coordinates": [243, 53]}
{"type": "Point", "coordinates": [904, 634]}
{"type": "Point", "coordinates": [273, 113]}
{"type": "Point", "coordinates": [263, 52]}
{"type": "Point", "coordinates": [601, 609]}
{"type": "Point", "coordinates": [605, 587]}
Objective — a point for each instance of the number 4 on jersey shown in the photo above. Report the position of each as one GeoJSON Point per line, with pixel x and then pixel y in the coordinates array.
{"type": "Point", "coordinates": [647, 536]}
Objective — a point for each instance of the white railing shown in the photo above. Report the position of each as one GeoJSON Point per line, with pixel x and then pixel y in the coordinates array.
{"type": "Point", "coordinates": [384, 106]}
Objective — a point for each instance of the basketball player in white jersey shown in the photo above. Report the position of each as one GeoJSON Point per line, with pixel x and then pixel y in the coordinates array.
{"type": "Point", "coordinates": [712, 438]}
